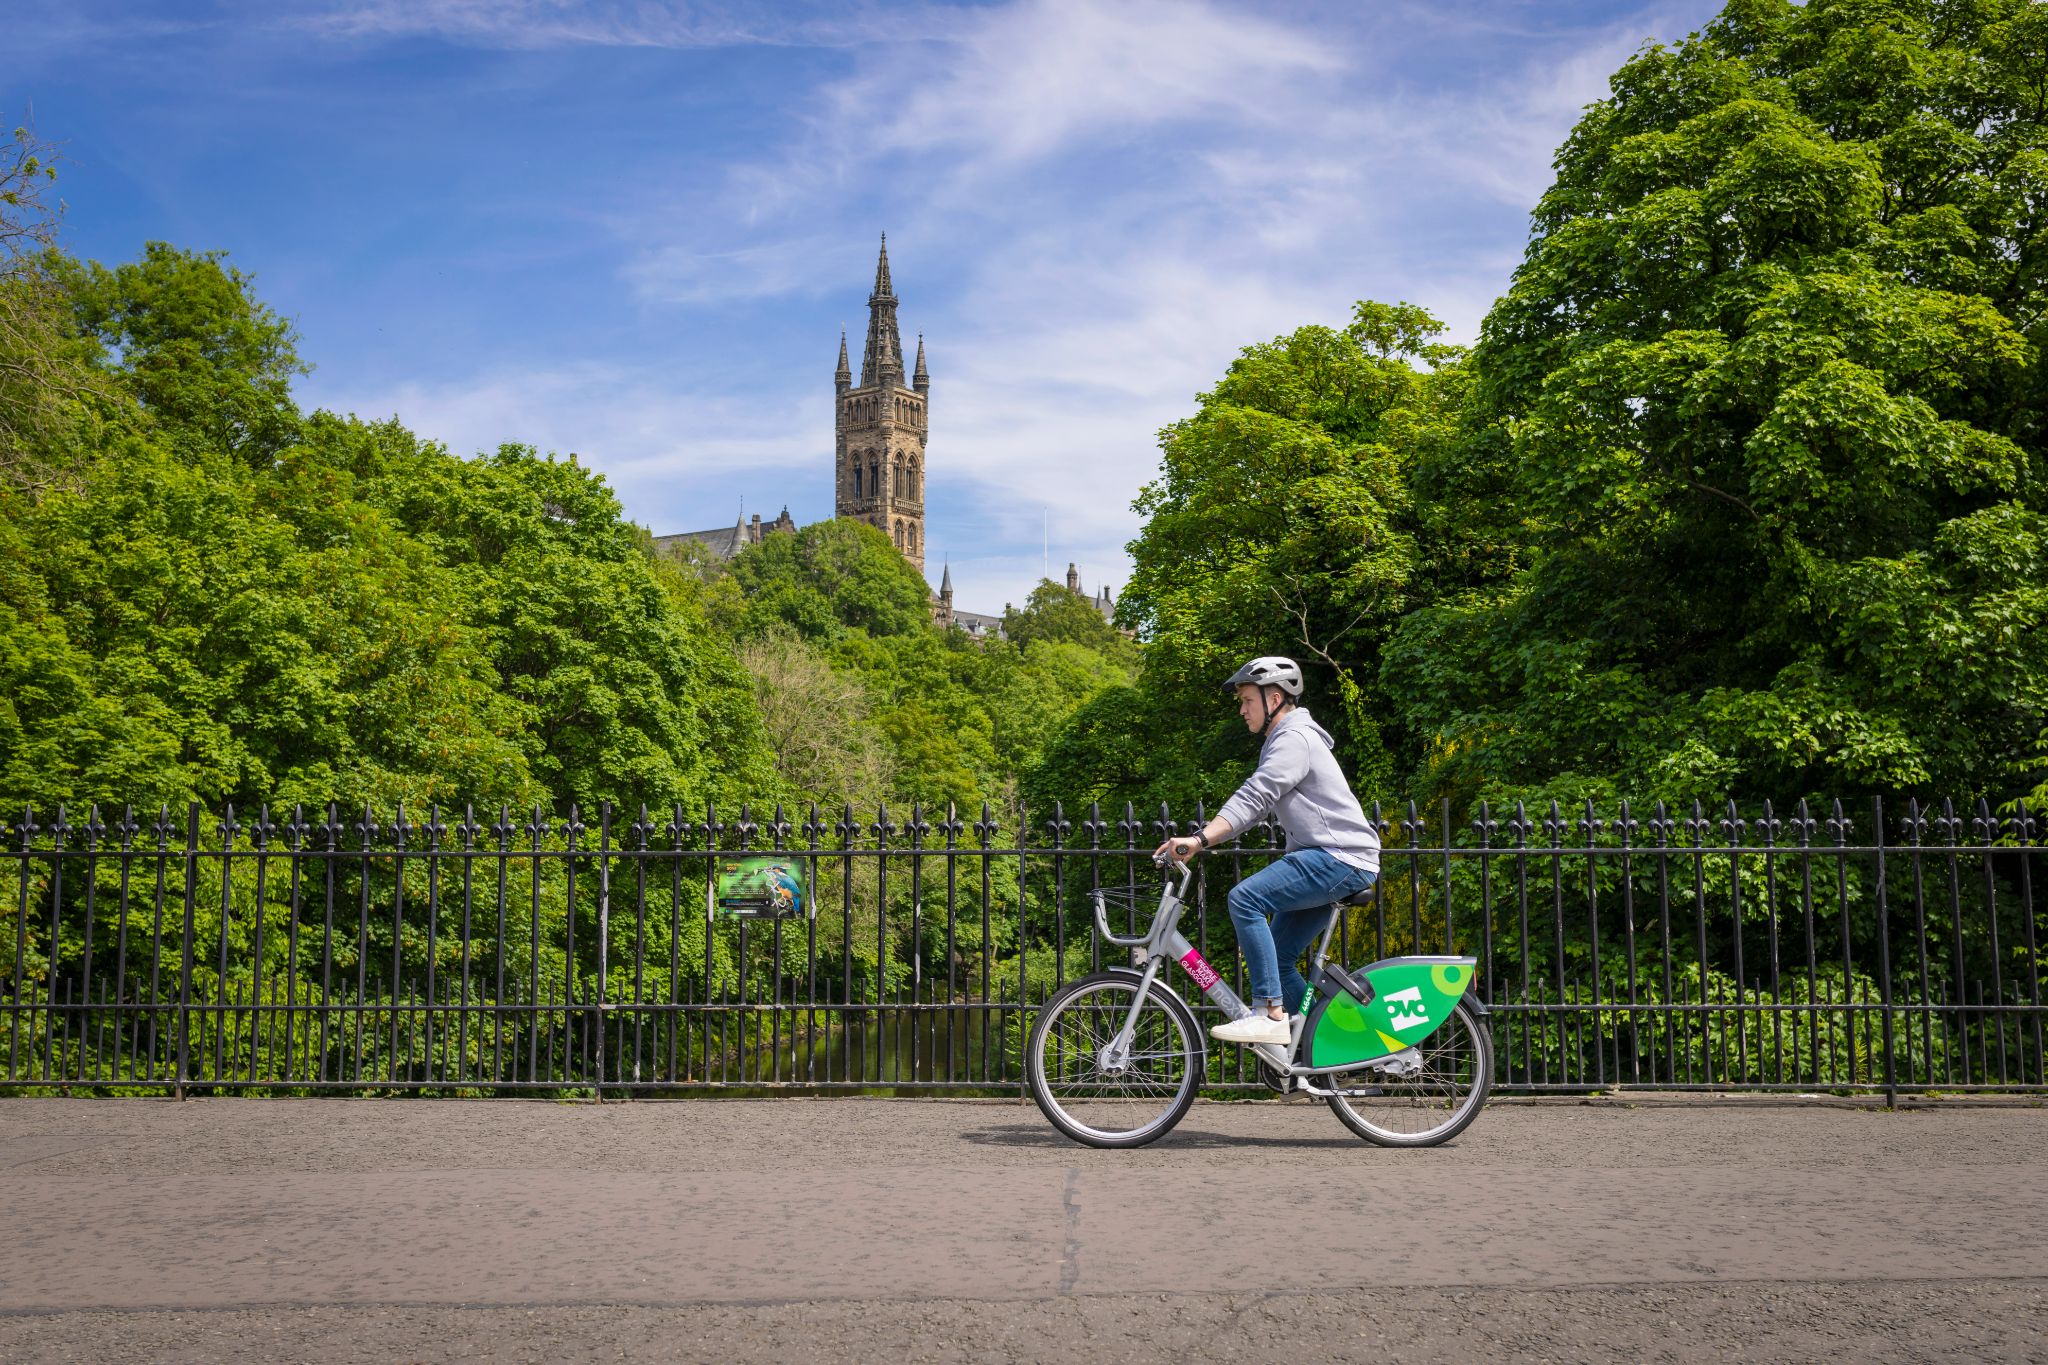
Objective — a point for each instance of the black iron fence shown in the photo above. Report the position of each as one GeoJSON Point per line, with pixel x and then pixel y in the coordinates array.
{"type": "Point", "coordinates": [1880, 950]}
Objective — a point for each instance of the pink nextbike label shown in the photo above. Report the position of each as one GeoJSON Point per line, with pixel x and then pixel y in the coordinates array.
{"type": "Point", "coordinates": [1198, 967]}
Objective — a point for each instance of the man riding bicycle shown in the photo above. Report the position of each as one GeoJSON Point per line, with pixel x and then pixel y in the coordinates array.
{"type": "Point", "coordinates": [1332, 849]}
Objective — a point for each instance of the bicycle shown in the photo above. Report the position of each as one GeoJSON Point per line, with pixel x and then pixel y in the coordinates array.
{"type": "Point", "coordinates": [1400, 1048]}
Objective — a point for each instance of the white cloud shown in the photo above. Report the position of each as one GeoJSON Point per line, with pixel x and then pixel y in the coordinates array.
{"type": "Point", "coordinates": [1094, 206]}
{"type": "Point", "coordinates": [1032, 78]}
{"type": "Point", "coordinates": [634, 425]}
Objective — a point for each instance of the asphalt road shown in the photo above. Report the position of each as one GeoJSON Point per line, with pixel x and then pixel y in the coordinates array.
{"type": "Point", "coordinates": [848, 1230]}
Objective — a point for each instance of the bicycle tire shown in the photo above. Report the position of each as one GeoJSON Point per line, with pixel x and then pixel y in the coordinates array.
{"type": "Point", "coordinates": [1436, 1103]}
{"type": "Point", "coordinates": [1130, 1108]}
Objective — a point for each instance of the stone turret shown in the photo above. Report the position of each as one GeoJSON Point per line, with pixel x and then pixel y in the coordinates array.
{"type": "Point", "coordinates": [942, 603]}
{"type": "Point", "coordinates": [881, 364]}
{"type": "Point", "coordinates": [880, 428]}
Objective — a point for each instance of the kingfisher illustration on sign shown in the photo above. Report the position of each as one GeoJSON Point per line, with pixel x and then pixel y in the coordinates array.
{"type": "Point", "coordinates": [760, 888]}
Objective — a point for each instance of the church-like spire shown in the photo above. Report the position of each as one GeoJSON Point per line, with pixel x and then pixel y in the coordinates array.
{"type": "Point", "coordinates": [844, 374]}
{"type": "Point", "coordinates": [882, 361]}
{"type": "Point", "coordinates": [922, 380]}
{"type": "Point", "coordinates": [946, 582]}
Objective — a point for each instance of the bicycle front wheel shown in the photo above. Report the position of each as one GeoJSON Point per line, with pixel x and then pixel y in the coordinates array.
{"type": "Point", "coordinates": [1095, 1093]}
{"type": "Point", "coordinates": [1431, 1104]}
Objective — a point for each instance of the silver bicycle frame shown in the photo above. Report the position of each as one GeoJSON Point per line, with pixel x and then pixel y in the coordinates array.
{"type": "Point", "coordinates": [1164, 940]}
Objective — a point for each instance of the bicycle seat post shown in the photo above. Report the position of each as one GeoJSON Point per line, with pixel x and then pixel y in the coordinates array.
{"type": "Point", "coordinates": [1329, 933]}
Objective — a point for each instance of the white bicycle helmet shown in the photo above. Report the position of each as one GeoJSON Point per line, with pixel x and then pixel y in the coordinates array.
{"type": "Point", "coordinates": [1269, 670]}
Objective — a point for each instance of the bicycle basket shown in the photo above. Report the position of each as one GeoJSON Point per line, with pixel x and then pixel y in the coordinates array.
{"type": "Point", "coordinates": [1126, 908]}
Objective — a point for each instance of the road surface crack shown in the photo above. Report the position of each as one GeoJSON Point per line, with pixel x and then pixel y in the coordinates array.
{"type": "Point", "coordinates": [1070, 1254]}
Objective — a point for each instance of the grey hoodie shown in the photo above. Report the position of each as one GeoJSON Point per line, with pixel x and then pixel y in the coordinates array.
{"type": "Point", "coordinates": [1298, 780]}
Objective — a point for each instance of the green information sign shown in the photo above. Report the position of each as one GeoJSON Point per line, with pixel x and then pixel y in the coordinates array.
{"type": "Point", "coordinates": [769, 886]}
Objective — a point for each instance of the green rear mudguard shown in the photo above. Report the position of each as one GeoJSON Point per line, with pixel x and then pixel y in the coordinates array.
{"type": "Point", "coordinates": [1375, 1011]}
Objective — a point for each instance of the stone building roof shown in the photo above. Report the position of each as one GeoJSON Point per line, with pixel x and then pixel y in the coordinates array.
{"type": "Point", "coordinates": [978, 626]}
{"type": "Point", "coordinates": [727, 541]}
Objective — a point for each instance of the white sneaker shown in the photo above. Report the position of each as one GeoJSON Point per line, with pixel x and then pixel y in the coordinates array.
{"type": "Point", "coordinates": [1253, 1029]}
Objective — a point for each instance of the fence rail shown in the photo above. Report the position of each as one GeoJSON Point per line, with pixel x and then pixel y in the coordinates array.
{"type": "Point", "coordinates": [1639, 947]}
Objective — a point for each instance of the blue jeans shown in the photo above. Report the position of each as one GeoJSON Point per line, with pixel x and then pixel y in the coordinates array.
{"type": "Point", "coordinates": [1279, 910]}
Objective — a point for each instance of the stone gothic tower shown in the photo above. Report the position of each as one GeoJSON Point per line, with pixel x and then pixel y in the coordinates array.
{"type": "Point", "coordinates": [881, 428]}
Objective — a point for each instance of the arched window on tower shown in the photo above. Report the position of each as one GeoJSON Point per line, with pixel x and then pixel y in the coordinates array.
{"type": "Point", "coordinates": [874, 479]}
{"type": "Point", "coordinates": [856, 478]}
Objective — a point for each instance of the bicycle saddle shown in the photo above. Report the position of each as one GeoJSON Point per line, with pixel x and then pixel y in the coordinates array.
{"type": "Point", "coordinates": [1359, 897]}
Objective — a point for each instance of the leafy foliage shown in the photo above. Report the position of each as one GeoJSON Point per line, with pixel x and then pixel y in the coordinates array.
{"type": "Point", "coordinates": [1769, 394]}
{"type": "Point", "coordinates": [1284, 521]}
{"type": "Point", "coordinates": [869, 703]}
{"type": "Point", "coordinates": [1740, 494]}
{"type": "Point", "coordinates": [239, 602]}
{"type": "Point", "coordinates": [49, 393]}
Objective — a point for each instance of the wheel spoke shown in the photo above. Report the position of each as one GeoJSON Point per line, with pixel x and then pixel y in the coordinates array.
{"type": "Point", "coordinates": [1434, 1101]}
{"type": "Point", "coordinates": [1147, 1092]}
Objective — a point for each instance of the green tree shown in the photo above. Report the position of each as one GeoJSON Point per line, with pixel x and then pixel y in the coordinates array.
{"type": "Point", "coordinates": [829, 577]}
{"type": "Point", "coordinates": [230, 601]}
{"type": "Point", "coordinates": [172, 637]}
{"type": "Point", "coordinates": [1283, 523]}
{"type": "Point", "coordinates": [1767, 396]}
{"type": "Point", "coordinates": [1055, 613]}
{"type": "Point", "coordinates": [624, 690]}
{"type": "Point", "coordinates": [208, 360]}
{"type": "Point", "coordinates": [816, 721]}
{"type": "Point", "coordinates": [49, 390]}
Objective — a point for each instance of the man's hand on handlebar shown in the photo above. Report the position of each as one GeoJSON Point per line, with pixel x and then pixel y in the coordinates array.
{"type": "Point", "coordinates": [1176, 850]}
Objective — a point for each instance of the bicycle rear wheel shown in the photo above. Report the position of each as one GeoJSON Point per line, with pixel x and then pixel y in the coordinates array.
{"type": "Point", "coordinates": [1127, 1104]}
{"type": "Point", "coordinates": [1431, 1104]}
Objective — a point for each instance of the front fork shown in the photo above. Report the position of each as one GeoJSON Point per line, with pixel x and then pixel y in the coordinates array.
{"type": "Point", "coordinates": [1116, 1053]}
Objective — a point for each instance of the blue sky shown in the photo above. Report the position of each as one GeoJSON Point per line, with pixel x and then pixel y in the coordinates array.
{"type": "Point", "coordinates": [634, 230]}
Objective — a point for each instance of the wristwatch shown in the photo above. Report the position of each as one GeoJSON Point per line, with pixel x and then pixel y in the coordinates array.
{"type": "Point", "coordinates": [1202, 837]}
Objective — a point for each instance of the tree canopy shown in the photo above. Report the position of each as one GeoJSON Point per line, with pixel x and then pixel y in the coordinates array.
{"type": "Point", "coordinates": [1740, 493]}
{"type": "Point", "coordinates": [1769, 395]}
{"type": "Point", "coordinates": [236, 601]}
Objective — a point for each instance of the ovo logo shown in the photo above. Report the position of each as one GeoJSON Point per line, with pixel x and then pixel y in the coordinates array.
{"type": "Point", "coordinates": [1406, 1010]}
